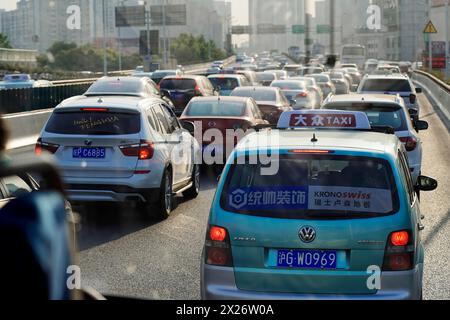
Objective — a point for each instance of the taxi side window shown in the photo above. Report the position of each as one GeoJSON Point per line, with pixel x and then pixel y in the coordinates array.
{"type": "Point", "coordinates": [256, 113]}
{"type": "Point", "coordinates": [407, 176]}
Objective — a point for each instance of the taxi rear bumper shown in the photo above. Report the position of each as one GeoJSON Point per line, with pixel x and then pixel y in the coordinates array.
{"type": "Point", "coordinates": [218, 283]}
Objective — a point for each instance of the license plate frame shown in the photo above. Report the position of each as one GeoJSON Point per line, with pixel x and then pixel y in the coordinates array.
{"type": "Point", "coordinates": [303, 259]}
{"type": "Point", "coordinates": [89, 153]}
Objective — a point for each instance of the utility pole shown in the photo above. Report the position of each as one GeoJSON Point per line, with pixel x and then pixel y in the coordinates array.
{"type": "Point", "coordinates": [332, 27]}
{"type": "Point", "coordinates": [105, 58]}
{"type": "Point", "coordinates": [308, 26]}
{"type": "Point", "coordinates": [446, 41]}
{"type": "Point", "coordinates": [147, 23]}
{"type": "Point", "coordinates": [164, 32]}
{"type": "Point", "coordinates": [430, 50]}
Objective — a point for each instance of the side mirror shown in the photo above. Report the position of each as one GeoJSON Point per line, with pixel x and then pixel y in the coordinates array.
{"type": "Point", "coordinates": [189, 126]}
{"type": "Point", "coordinates": [421, 125]}
{"type": "Point", "coordinates": [426, 184]}
{"type": "Point", "coordinates": [413, 112]}
{"type": "Point", "coordinates": [412, 98]}
{"type": "Point", "coordinates": [292, 103]}
{"type": "Point", "coordinates": [419, 90]}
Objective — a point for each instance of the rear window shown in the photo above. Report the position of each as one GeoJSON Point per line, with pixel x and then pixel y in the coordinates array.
{"type": "Point", "coordinates": [265, 77]}
{"type": "Point", "coordinates": [258, 95]}
{"type": "Point", "coordinates": [386, 85]}
{"type": "Point", "coordinates": [321, 79]}
{"type": "Point", "coordinates": [94, 123]}
{"type": "Point", "coordinates": [225, 83]}
{"type": "Point", "coordinates": [378, 114]}
{"type": "Point", "coordinates": [312, 187]}
{"type": "Point", "coordinates": [216, 109]}
{"type": "Point", "coordinates": [115, 87]}
{"type": "Point", "coordinates": [178, 84]}
{"type": "Point", "coordinates": [336, 76]}
{"type": "Point", "coordinates": [289, 85]}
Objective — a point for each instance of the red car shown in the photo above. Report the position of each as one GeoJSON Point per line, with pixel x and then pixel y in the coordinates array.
{"type": "Point", "coordinates": [271, 101]}
{"type": "Point", "coordinates": [222, 114]}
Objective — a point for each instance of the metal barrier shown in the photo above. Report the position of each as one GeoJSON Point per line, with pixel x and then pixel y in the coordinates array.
{"type": "Point", "coordinates": [437, 90]}
{"type": "Point", "coordinates": [22, 100]}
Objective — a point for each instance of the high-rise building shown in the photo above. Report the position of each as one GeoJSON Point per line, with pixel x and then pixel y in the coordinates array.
{"type": "Point", "coordinates": [282, 14]}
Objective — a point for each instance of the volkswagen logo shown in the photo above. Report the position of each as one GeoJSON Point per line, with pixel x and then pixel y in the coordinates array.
{"type": "Point", "coordinates": [212, 124]}
{"type": "Point", "coordinates": [307, 234]}
{"type": "Point", "coordinates": [88, 143]}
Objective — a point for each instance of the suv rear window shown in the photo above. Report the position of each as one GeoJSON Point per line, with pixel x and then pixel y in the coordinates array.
{"type": "Point", "coordinates": [178, 84]}
{"type": "Point", "coordinates": [378, 114]}
{"type": "Point", "coordinates": [115, 86]}
{"type": "Point", "coordinates": [93, 123]}
{"type": "Point", "coordinates": [386, 85]}
{"type": "Point", "coordinates": [216, 109]}
{"type": "Point", "coordinates": [322, 187]}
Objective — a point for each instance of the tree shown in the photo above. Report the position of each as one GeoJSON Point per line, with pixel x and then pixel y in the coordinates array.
{"type": "Point", "coordinates": [189, 49]}
{"type": "Point", "coordinates": [4, 42]}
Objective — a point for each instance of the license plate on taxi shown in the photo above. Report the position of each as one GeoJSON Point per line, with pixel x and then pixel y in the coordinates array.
{"type": "Point", "coordinates": [89, 153]}
{"type": "Point", "coordinates": [307, 259]}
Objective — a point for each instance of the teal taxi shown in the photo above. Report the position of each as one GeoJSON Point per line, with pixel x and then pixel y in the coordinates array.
{"type": "Point", "coordinates": [322, 207]}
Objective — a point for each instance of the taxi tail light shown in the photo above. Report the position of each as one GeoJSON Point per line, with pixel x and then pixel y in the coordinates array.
{"type": "Point", "coordinates": [400, 252]}
{"type": "Point", "coordinates": [410, 143]}
{"type": "Point", "coordinates": [143, 150]}
{"type": "Point", "coordinates": [302, 95]}
{"type": "Point", "coordinates": [44, 146]}
{"type": "Point", "coordinates": [218, 247]}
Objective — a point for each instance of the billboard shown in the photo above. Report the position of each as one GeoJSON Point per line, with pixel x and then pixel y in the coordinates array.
{"type": "Point", "coordinates": [130, 16]}
{"type": "Point", "coordinates": [175, 15]}
{"type": "Point", "coordinates": [154, 42]}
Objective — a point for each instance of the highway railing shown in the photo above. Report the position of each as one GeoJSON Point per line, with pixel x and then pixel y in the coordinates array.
{"type": "Point", "coordinates": [437, 91]}
{"type": "Point", "coordinates": [26, 111]}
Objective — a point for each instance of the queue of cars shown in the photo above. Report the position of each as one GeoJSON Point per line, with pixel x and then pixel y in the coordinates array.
{"type": "Point", "coordinates": [339, 196]}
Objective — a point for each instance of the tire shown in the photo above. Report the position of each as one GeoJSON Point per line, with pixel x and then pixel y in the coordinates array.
{"type": "Point", "coordinates": [165, 202]}
{"type": "Point", "coordinates": [193, 192]}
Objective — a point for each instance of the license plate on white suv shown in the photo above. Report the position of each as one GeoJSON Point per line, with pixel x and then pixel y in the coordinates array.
{"type": "Point", "coordinates": [89, 153]}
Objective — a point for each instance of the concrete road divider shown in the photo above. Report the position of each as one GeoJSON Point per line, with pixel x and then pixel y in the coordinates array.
{"type": "Point", "coordinates": [25, 127]}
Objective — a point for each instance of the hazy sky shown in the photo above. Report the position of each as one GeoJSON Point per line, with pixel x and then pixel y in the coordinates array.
{"type": "Point", "coordinates": [240, 9]}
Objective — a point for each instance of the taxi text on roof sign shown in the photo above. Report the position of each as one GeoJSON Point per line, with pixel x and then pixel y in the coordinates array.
{"type": "Point", "coordinates": [328, 119]}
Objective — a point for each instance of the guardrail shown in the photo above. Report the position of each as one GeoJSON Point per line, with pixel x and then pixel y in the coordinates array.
{"type": "Point", "coordinates": [437, 90]}
{"type": "Point", "coordinates": [27, 110]}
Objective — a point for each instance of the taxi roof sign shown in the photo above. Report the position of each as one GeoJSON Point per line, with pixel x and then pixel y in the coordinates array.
{"type": "Point", "coordinates": [324, 119]}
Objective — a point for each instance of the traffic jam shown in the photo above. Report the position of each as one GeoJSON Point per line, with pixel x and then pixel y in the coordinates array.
{"type": "Point", "coordinates": [319, 170]}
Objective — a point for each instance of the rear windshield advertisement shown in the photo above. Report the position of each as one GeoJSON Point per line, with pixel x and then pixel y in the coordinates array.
{"type": "Point", "coordinates": [310, 198]}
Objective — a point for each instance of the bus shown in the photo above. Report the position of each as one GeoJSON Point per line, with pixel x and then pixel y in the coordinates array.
{"type": "Point", "coordinates": [354, 53]}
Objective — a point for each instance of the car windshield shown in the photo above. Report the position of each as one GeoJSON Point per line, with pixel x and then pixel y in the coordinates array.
{"type": "Point", "coordinates": [141, 105]}
{"type": "Point", "coordinates": [386, 85]}
{"type": "Point", "coordinates": [93, 123]}
{"type": "Point", "coordinates": [320, 182]}
{"type": "Point", "coordinates": [257, 94]}
{"type": "Point", "coordinates": [224, 83]}
{"type": "Point", "coordinates": [216, 109]}
{"type": "Point", "coordinates": [178, 84]}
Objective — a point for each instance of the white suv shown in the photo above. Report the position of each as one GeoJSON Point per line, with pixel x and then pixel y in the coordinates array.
{"type": "Point", "coordinates": [120, 149]}
{"type": "Point", "coordinates": [392, 84]}
{"type": "Point", "coordinates": [386, 110]}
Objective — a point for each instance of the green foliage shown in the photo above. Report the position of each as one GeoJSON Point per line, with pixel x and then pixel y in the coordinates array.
{"type": "Point", "coordinates": [188, 49]}
{"type": "Point", "coordinates": [69, 57]}
{"type": "Point", "coordinates": [4, 42]}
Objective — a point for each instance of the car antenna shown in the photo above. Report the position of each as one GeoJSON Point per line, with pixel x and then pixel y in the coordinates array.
{"type": "Point", "coordinates": [314, 139]}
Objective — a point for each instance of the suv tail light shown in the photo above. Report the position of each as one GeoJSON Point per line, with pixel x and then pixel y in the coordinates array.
{"type": "Point", "coordinates": [143, 150]}
{"type": "Point", "coordinates": [400, 250]}
{"type": "Point", "coordinates": [44, 146]}
{"type": "Point", "coordinates": [218, 247]}
{"type": "Point", "coordinates": [197, 90]}
{"type": "Point", "coordinates": [410, 143]}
